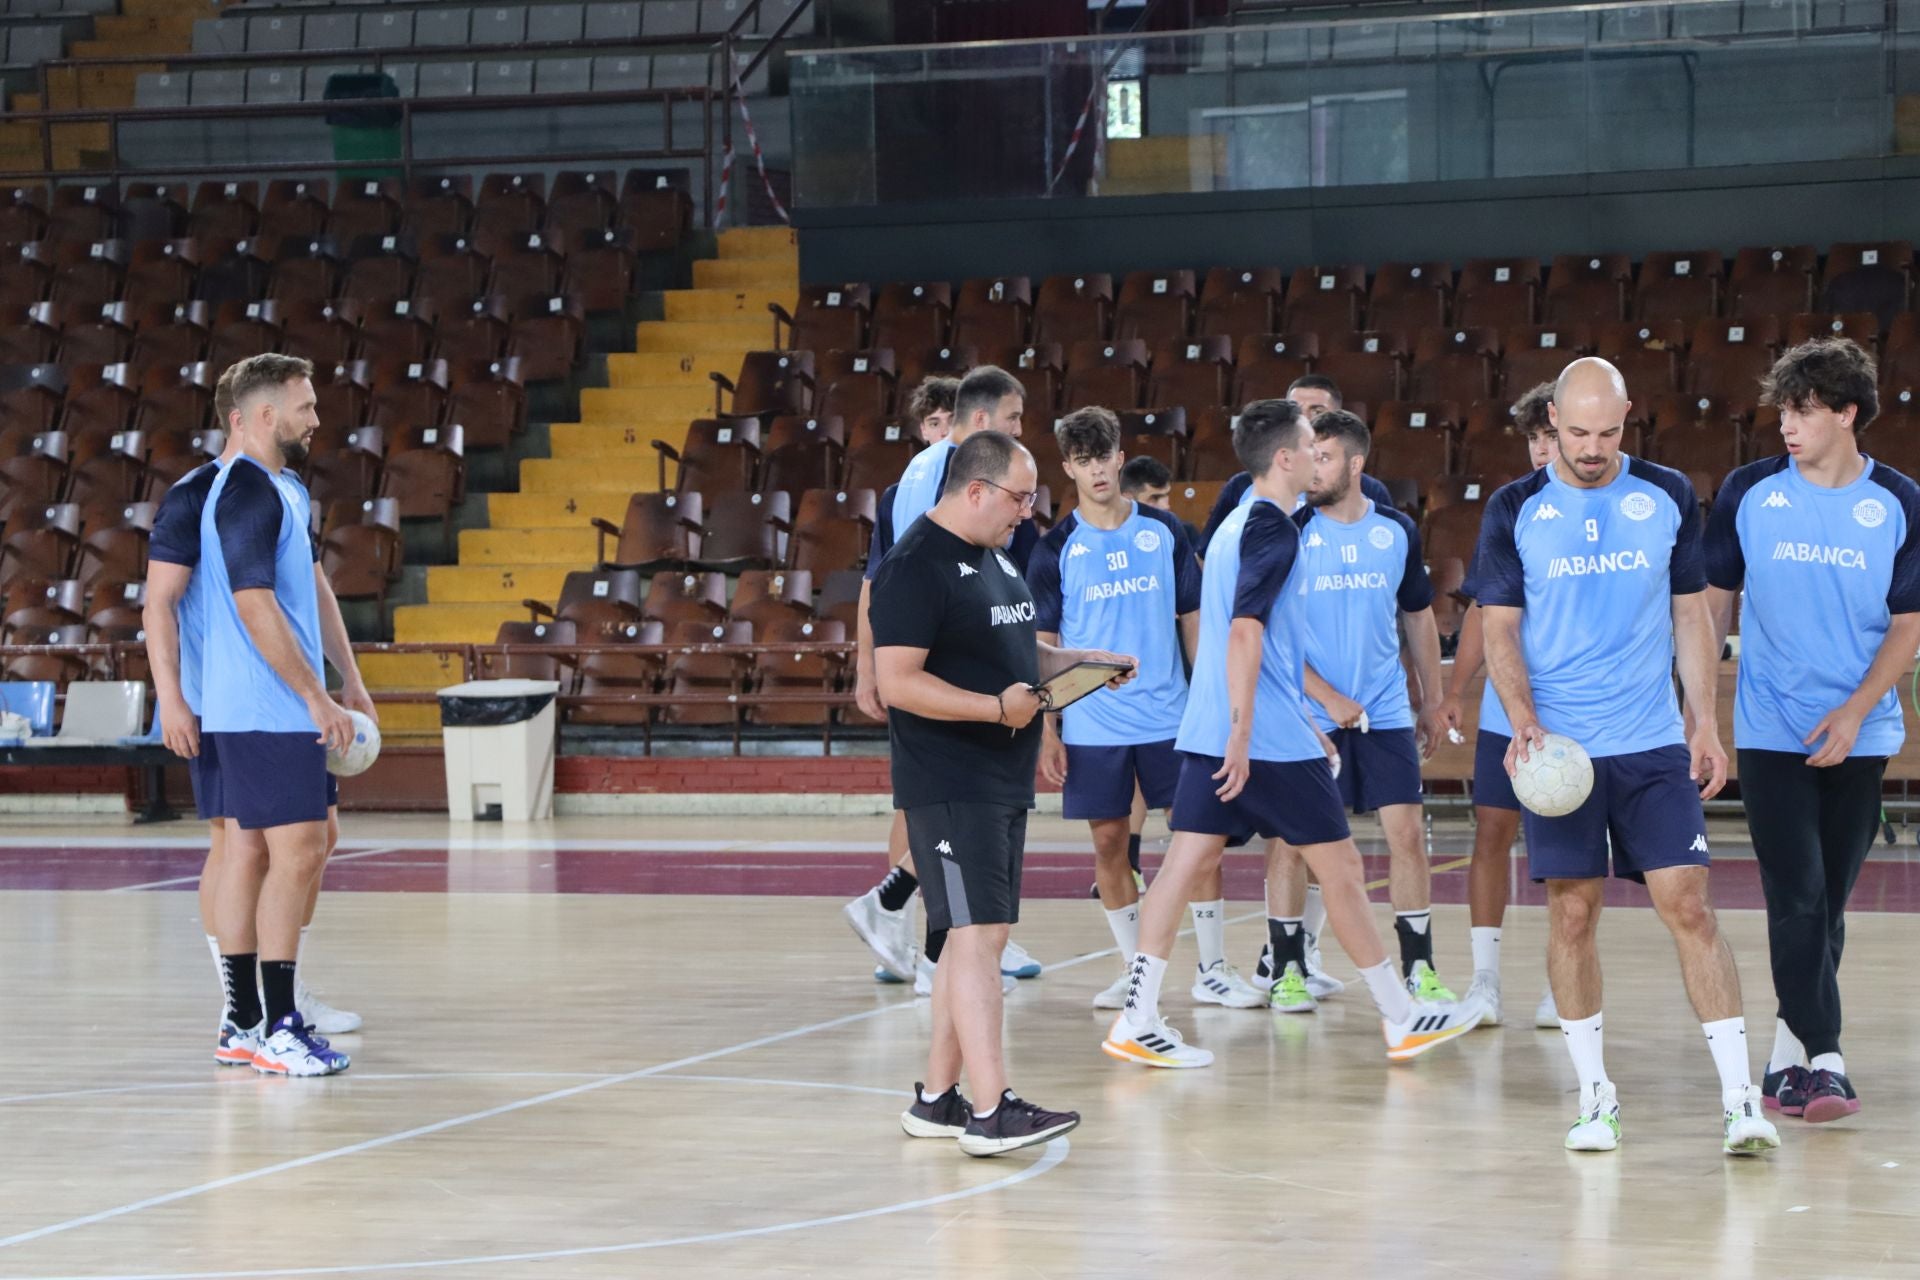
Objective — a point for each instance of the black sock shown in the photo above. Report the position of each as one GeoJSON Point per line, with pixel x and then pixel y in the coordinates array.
{"type": "Point", "coordinates": [1288, 938]}
{"type": "Point", "coordinates": [1416, 944]}
{"type": "Point", "coordinates": [936, 943]}
{"type": "Point", "coordinates": [1133, 852]}
{"type": "Point", "coordinates": [243, 989]}
{"type": "Point", "coordinates": [897, 888]}
{"type": "Point", "coordinates": [276, 983]}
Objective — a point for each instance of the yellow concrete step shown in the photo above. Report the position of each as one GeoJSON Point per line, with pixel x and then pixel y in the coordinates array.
{"type": "Point", "coordinates": [621, 406]}
{"type": "Point", "coordinates": [747, 273]}
{"type": "Point", "coordinates": [406, 724]}
{"type": "Point", "coordinates": [594, 440]}
{"type": "Point", "coordinates": [510, 512]}
{"type": "Point", "coordinates": [410, 671]}
{"type": "Point", "coordinates": [453, 623]}
{"type": "Point", "coordinates": [572, 547]}
{"type": "Point", "coordinates": [20, 146]}
{"type": "Point", "coordinates": [173, 24]}
{"type": "Point", "coordinates": [590, 475]}
{"type": "Point", "coordinates": [728, 304]}
{"type": "Point", "coordinates": [26, 102]}
{"type": "Point", "coordinates": [729, 336]}
{"type": "Point", "coordinates": [669, 368]}
{"type": "Point", "coordinates": [508, 583]}
{"type": "Point", "coordinates": [759, 242]}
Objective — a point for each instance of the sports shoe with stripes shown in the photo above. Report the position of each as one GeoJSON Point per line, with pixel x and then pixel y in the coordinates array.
{"type": "Point", "coordinates": [1014, 1124]}
{"type": "Point", "coordinates": [1785, 1090]}
{"type": "Point", "coordinates": [1428, 1025]}
{"type": "Point", "coordinates": [1290, 994]}
{"type": "Point", "coordinates": [1221, 983]}
{"type": "Point", "coordinates": [293, 1048]}
{"type": "Point", "coordinates": [1424, 984]}
{"type": "Point", "coordinates": [1597, 1127]}
{"type": "Point", "coordinates": [237, 1046]}
{"type": "Point", "coordinates": [1747, 1130]}
{"type": "Point", "coordinates": [945, 1117]}
{"type": "Point", "coordinates": [1156, 1046]}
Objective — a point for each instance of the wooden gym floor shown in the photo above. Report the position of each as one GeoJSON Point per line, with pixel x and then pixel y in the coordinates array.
{"type": "Point", "coordinates": [651, 1047]}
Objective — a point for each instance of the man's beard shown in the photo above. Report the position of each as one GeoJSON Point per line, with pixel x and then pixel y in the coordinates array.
{"type": "Point", "coordinates": [293, 453]}
{"type": "Point", "coordinates": [1331, 497]}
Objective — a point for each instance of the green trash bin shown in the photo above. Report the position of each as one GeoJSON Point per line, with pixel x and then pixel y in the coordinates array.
{"type": "Point", "coordinates": [368, 132]}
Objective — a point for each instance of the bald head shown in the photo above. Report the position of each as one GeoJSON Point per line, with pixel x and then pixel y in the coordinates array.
{"type": "Point", "coordinates": [1589, 415]}
{"type": "Point", "coordinates": [1590, 376]}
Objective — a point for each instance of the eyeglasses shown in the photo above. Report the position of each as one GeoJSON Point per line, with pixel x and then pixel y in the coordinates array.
{"type": "Point", "coordinates": [1025, 500]}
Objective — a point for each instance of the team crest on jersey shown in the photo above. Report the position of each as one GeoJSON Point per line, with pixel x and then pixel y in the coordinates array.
{"type": "Point", "coordinates": [1380, 538]}
{"type": "Point", "coordinates": [1636, 506]}
{"type": "Point", "coordinates": [1006, 565]}
{"type": "Point", "coordinates": [1871, 513]}
{"type": "Point", "coordinates": [1547, 511]}
{"type": "Point", "coordinates": [1147, 540]}
{"type": "Point", "coordinates": [1777, 499]}
{"type": "Point", "coordinates": [1079, 549]}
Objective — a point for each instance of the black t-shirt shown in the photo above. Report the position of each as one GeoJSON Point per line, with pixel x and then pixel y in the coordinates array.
{"type": "Point", "coordinates": [970, 609]}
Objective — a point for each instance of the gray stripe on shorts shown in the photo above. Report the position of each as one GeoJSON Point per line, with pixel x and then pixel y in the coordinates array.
{"type": "Point", "coordinates": [959, 913]}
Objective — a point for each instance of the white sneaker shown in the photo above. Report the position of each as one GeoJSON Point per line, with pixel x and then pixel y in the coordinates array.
{"type": "Point", "coordinates": [1016, 963]}
{"type": "Point", "coordinates": [1546, 1015]}
{"type": "Point", "coordinates": [1427, 1025]}
{"type": "Point", "coordinates": [1115, 996]}
{"type": "Point", "coordinates": [1157, 1046]}
{"type": "Point", "coordinates": [923, 979]}
{"type": "Point", "coordinates": [1485, 992]}
{"type": "Point", "coordinates": [1597, 1127]}
{"type": "Point", "coordinates": [1321, 983]}
{"type": "Point", "coordinates": [238, 1046]}
{"type": "Point", "coordinates": [1221, 983]}
{"type": "Point", "coordinates": [325, 1019]}
{"type": "Point", "coordinates": [888, 933]}
{"type": "Point", "coordinates": [293, 1048]}
{"type": "Point", "coordinates": [1747, 1129]}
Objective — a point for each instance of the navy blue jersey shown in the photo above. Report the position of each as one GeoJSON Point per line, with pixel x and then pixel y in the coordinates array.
{"type": "Point", "coordinates": [176, 540]}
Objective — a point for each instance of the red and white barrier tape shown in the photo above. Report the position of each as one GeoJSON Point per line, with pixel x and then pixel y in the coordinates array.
{"type": "Point", "coordinates": [759, 158]}
{"type": "Point", "coordinates": [1079, 128]}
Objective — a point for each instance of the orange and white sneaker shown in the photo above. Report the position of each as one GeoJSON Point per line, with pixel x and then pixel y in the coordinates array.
{"type": "Point", "coordinates": [1427, 1025]}
{"type": "Point", "coordinates": [237, 1046]}
{"type": "Point", "coordinates": [1156, 1046]}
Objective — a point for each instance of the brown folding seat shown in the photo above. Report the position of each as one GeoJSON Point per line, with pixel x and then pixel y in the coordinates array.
{"type": "Point", "coordinates": [152, 211]}
{"type": "Point", "coordinates": [85, 213]}
{"type": "Point", "coordinates": [1453, 532]}
{"type": "Point", "coordinates": [102, 400]}
{"type": "Point", "coordinates": [242, 329]}
{"type": "Point", "coordinates": [1267, 364]}
{"type": "Point", "coordinates": [452, 272]}
{"type": "Point", "coordinates": [1403, 451]}
{"type": "Point", "coordinates": [1154, 306]}
{"type": "Point", "coordinates": [1440, 416]}
{"type": "Point", "coordinates": [439, 206]}
{"type": "Point", "coordinates": [478, 330]}
{"type": "Point", "coordinates": [801, 454]}
{"type": "Point", "coordinates": [1683, 285]}
{"type": "Point", "coordinates": [413, 395]}
{"type": "Point", "coordinates": [745, 531]}
{"type": "Point", "coordinates": [1451, 491]}
{"type": "Point", "coordinates": [225, 211]}
{"type": "Point", "coordinates": [997, 312]}
{"type": "Point", "coordinates": [1872, 277]}
{"type": "Point", "coordinates": [597, 602]}
{"type": "Point", "coordinates": [1156, 433]}
{"type": "Point", "coordinates": [917, 364]}
{"type": "Point", "coordinates": [1108, 374]}
{"type": "Point", "coordinates": [877, 453]}
{"type": "Point", "coordinates": [1324, 299]}
{"type": "Point", "coordinates": [582, 203]}
{"type": "Point", "coordinates": [1696, 435]}
{"type": "Point", "coordinates": [1588, 289]}
{"type": "Point", "coordinates": [162, 272]}
{"type": "Point", "coordinates": [620, 664]}
{"type": "Point", "coordinates": [831, 530]}
{"type": "Point", "coordinates": [343, 391]}
{"type": "Point", "coordinates": [1192, 501]}
{"type": "Point", "coordinates": [762, 595]}
{"type": "Point", "coordinates": [1900, 360]}
{"type": "Point", "coordinates": [52, 668]}
{"type": "Point", "coordinates": [526, 265]}
{"type": "Point", "coordinates": [365, 208]}
{"type": "Point", "coordinates": [769, 382]}
{"type": "Point", "coordinates": [172, 335]}
{"type": "Point", "coordinates": [489, 399]}
{"type": "Point", "coordinates": [89, 274]}
{"type": "Point", "coordinates": [692, 596]}
{"type": "Point", "coordinates": [661, 531]}
{"type": "Point", "coordinates": [511, 205]}
{"type": "Point", "coordinates": [1533, 354]}
{"type": "Point", "coordinates": [41, 541]}
{"type": "Point", "coordinates": [1728, 358]}
{"type": "Point", "coordinates": [95, 336]}
{"type": "Point", "coordinates": [656, 209]}
{"type": "Point", "coordinates": [702, 674]}
{"type": "Point", "coordinates": [598, 269]}
{"type": "Point", "coordinates": [840, 596]}
{"type": "Point", "coordinates": [31, 334]}
{"type": "Point", "coordinates": [1861, 326]}
{"type": "Point", "coordinates": [1771, 280]}
{"type": "Point", "coordinates": [1648, 354]}
{"type": "Point", "coordinates": [1368, 367]}
{"type": "Point", "coordinates": [1451, 364]}
{"type": "Point", "coordinates": [35, 474]}
{"type": "Point", "coordinates": [399, 332]}
{"type": "Point", "coordinates": [1497, 293]}
{"type": "Point", "coordinates": [1410, 296]}
{"type": "Point", "coordinates": [536, 666]}
{"type": "Point", "coordinates": [294, 209]}
{"type": "Point", "coordinates": [361, 558]}
{"type": "Point", "coordinates": [797, 673]}
{"type": "Point", "coordinates": [23, 214]}
{"type": "Point", "coordinates": [1073, 308]}
{"type": "Point", "coordinates": [855, 386]}
{"type": "Point", "coordinates": [238, 271]}
{"type": "Point", "coordinates": [1192, 372]}
{"type": "Point", "coordinates": [1237, 302]}
{"type": "Point", "coordinates": [1490, 445]}
{"type": "Point", "coordinates": [61, 604]}
{"type": "Point", "coordinates": [347, 470]}
{"type": "Point", "coordinates": [1040, 369]}
{"type": "Point", "coordinates": [113, 542]}
{"type": "Point", "coordinates": [108, 471]}
{"type": "Point", "coordinates": [174, 454]}
{"type": "Point", "coordinates": [31, 396]}
{"type": "Point", "coordinates": [1893, 438]}
{"type": "Point", "coordinates": [912, 317]}
{"type": "Point", "coordinates": [321, 330]}
{"type": "Point", "coordinates": [307, 270]}
{"type": "Point", "coordinates": [1210, 456]}
{"type": "Point", "coordinates": [547, 337]}
{"type": "Point", "coordinates": [28, 275]}
{"type": "Point", "coordinates": [719, 455]}
{"type": "Point", "coordinates": [379, 269]}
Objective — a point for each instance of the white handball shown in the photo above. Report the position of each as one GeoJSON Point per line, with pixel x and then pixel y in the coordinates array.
{"type": "Point", "coordinates": [362, 751]}
{"type": "Point", "coordinates": [1555, 778]}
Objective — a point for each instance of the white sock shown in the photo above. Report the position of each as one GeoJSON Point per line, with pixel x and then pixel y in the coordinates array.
{"type": "Point", "coordinates": [1829, 1062]}
{"type": "Point", "coordinates": [1787, 1049]}
{"type": "Point", "coordinates": [1388, 992]}
{"type": "Point", "coordinates": [1143, 992]}
{"type": "Point", "coordinates": [1316, 913]}
{"type": "Point", "coordinates": [299, 951]}
{"type": "Point", "coordinates": [1486, 948]}
{"type": "Point", "coordinates": [1125, 924]}
{"type": "Point", "coordinates": [1728, 1040]}
{"type": "Point", "coordinates": [1210, 931]}
{"type": "Point", "coordinates": [928, 1097]}
{"type": "Point", "coordinates": [1585, 1048]}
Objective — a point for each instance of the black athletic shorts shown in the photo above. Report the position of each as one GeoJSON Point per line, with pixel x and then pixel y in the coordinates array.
{"type": "Point", "coordinates": [968, 857]}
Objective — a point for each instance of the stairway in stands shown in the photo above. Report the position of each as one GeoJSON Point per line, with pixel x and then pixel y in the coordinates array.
{"type": "Point", "coordinates": [538, 535]}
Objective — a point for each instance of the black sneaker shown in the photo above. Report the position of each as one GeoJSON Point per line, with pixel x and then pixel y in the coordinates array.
{"type": "Point", "coordinates": [1263, 973]}
{"type": "Point", "coordinates": [1785, 1091]}
{"type": "Point", "coordinates": [945, 1117]}
{"type": "Point", "coordinates": [1014, 1124]}
{"type": "Point", "coordinates": [1829, 1096]}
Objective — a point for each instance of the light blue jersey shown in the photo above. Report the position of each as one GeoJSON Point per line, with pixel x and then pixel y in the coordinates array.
{"type": "Point", "coordinates": [1122, 590]}
{"type": "Point", "coordinates": [254, 533]}
{"type": "Point", "coordinates": [1825, 570]}
{"type": "Point", "coordinates": [1253, 571]}
{"type": "Point", "coordinates": [1361, 577]}
{"type": "Point", "coordinates": [1596, 570]}
{"type": "Point", "coordinates": [912, 497]}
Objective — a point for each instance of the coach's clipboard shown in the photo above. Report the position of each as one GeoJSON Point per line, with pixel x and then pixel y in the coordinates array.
{"type": "Point", "coordinates": [1064, 688]}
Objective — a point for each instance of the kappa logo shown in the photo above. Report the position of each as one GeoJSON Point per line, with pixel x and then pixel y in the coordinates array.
{"type": "Point", "coordinates": [1079, 549]}
{"type": "Point", "coordinates": [1315, 540]}
{"type": "Point", "coordinates": [967, 571]}
{"type": "Point", "coordinates": [1699, 844]}
{"type": "Point", "coordinates": [1547, 511]}
{"type": "Point", "coordinates": [944, 848]}
{"type": "Point", "coordinates": [1777, 499]}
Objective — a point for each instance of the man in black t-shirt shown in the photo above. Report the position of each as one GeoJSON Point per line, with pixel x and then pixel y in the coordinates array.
{"type": "Point", "coordinates": [956, 657]}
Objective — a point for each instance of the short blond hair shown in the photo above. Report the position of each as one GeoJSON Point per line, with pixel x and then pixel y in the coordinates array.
{"type": "Point", "coordinates": [254, 374]}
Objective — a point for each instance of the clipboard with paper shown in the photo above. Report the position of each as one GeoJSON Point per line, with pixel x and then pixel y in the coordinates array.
{"type": "Point", "coordinates": [1066, 687]}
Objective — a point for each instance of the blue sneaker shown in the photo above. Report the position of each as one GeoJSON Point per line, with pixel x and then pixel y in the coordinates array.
{"type": "Point", "coordinates": [1016, 963]}
{"type": "Point", "coordinates": [293, 1048]}
{"type": "Point", "coordinates": [883, 974]}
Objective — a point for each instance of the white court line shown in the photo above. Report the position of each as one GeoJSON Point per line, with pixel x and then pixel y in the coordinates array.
{"type": "Point", "coordinates": [337, 856]}
{"type": "Point", "coordinates": [236, 1080]}
{"type": "Point", "coordinates": [130, 840]}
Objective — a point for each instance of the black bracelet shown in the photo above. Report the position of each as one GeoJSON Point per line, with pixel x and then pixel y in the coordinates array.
{"type": "Point", "coordinates": [1001, 701]}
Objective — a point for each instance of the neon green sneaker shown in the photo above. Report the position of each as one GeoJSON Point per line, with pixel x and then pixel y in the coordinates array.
{"type": "Point", "coordinates": [1597, 1127]}
{"type": "Point", "coordinates": [1290, 994]}
{"type": "Point", "coordinates": [1425, 985]}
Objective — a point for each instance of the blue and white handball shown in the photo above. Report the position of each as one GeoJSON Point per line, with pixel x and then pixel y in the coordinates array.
{"type": "Point", "coordinates": [361, 752]}
{"type": "Point", "coordinates": [1555, 778]}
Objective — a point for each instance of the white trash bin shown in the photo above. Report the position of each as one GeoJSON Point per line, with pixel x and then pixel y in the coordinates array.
{"type": "Point", "coordinates": [499, 737]}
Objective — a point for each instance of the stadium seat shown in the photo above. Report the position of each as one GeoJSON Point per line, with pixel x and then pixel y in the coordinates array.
{"type": "Point", "coordinates": [802, 453]}
{"type": "Point", "coordinates": [294, 209]}
{"type": "Point", "coordinates": [1073, 308]}
{"type": "Point", "coordinates": [745, 531]}
{"type": "Point", "coordinates": [1236, 302]}
{"type": "Point", "coordinates": [1450, 364]}
{"type": "Point", "coordinates": [699, 673]}
{"type": "Point", "coordinates": [489, 399]}
{"type": "Point", "coordinates": [1728, 358]}
{"type": "Point", "coordinates": [113, 542]}
{"type": "Point", "coordinates": [1156, 433]}
{"type": "Point", "coordinates": [1154, 306]}
{"type": "Point", "coordinates": [917, 364]}
{"type": "Point", "coordinates": [476, 332]}
{"type": "Point", "coordinates": [380, 268]}
{"type": "Point", "coordinates": [911, 317]}
{"type": "Point", "coordinates": [414, 395]}
{"type": "Point", "coordinates": [439, 207]}
{"type": "Point", "coordinates": [762, 596]}
{"type": "Point", "coordinates": [581, 204]}
{"type": "Point", "coordinates": [1534, 354]}
{"type": "Point", "coordinates": [321, 330]}
{"type": "Point", "coordinates": [1588, 289]}
{"type": "Point", "coordinates": [769, 382]}
{"type": "Point", "coordinates": [346, 468]}
{"type": "Point", "coordinates": [1367, 366]}
{"type": "Point", "coordinates": [855, 386]}
{"type": "Point", "coordinates": [877, 453]}
{"type": "Point", "coordinates": [599, 268]}
{"type": "Point", "coordinates": [1191, 372]}
{"type": "Point", "coordinates": [536, 666]}
{"type": "Point", "coordinates": [1498, 293]}
{"type": "Point", "coordinates": [1108, 374]}
{"type": "Point", "coordinates": [1771, 280]}
{"type": "Point", "coordinates": [1265, 365]}
{"type": "Point", "coordinates": [831, 530]}
{"type": "Point", "coordinates": [426, 475]}
{"type": "Point", "coordinates": [525, 265]}
{"type": "Point", "coordinates": [1410, 296]}
{"type": "Point", "coordinates": [162, 272]}
{"type": "Point", "coordinates": [1648, 354]}
{"type": "Point", "coordinates": [306, 270]}
{"type": "Point", "coordinates": [1861, 326]}
{"type": "Point", "coordinates": [547, 337]}
{"type": "Point", "coordinates": [826, 317]}
{"type": "Point", "coordinates": [361, 557]}
{"type": "Point", "coordinates": [609, 671]}
{"type": "Point", "coordinates": [108, 470]}
{"type": "Point", "coordinates": [1872, 277]}
{"type": "Point", "coordinates": [796, 673]}
{"type": "Point", "coordinates": [658, 212]}
{"type": "Point", "coordinates": [672, 598]}
{"type": "Point", "coordinates": [993, 313]}
{"type": "Point", "coordinates": [62, 669]}
{"type": "Point", "coordinates": [365, 209]}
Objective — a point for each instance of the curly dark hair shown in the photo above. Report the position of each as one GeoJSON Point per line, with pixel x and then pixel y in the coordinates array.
{"type": "Point", "coordinates": [1829, 372]}
{"type": "Point", "coordinates": [1530, 410]}
{"type": "Point", "coordinates": [1091, 432]}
